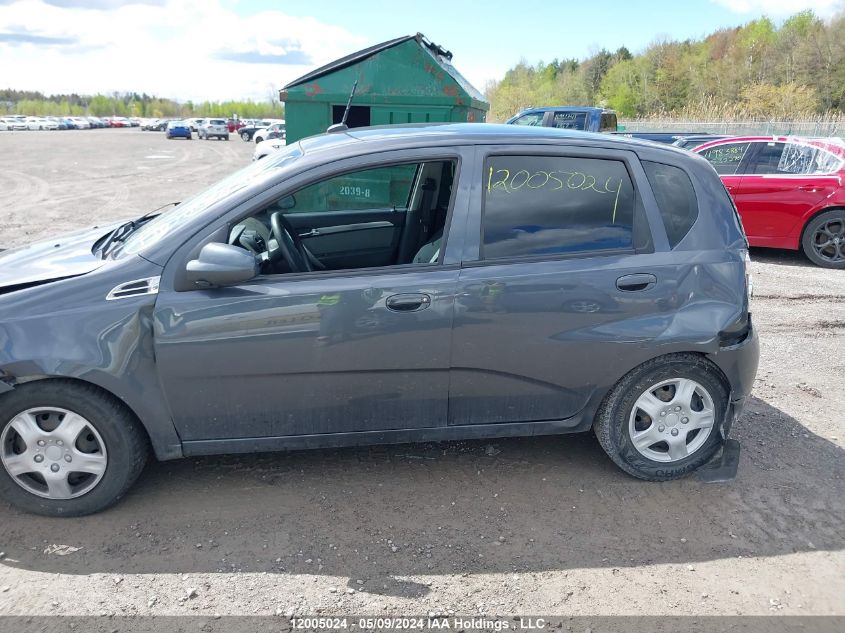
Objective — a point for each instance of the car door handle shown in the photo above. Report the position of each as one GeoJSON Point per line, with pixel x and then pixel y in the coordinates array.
{"type": "Point", "coordinates": [408, 302]}
{"type": "Point", "coordinates": [812, 188]}
{"type": "Point", "coordinates": [635, 282]}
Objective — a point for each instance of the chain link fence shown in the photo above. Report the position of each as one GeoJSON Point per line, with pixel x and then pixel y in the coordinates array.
{"type": "Point", "coordinates": [827, 126]}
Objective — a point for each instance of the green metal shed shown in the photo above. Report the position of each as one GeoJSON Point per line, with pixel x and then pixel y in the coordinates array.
{"type": "Point", "coordinates": [405, 80]}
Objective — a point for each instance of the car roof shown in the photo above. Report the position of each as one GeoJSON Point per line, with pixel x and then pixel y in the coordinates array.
{"type": "Point", "coordinates": [833, 144]}
{"type": "Point", "coordinates": [446, 134]}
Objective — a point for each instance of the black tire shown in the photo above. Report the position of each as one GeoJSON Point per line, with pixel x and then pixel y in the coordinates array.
{"type": "Point", "coordinates": [612, 428]}
{"type": "Point", "coordinates": [813, 234]}
{"type": "Point", "coordinates": [226, 138]}
{"type": "Point", "coordinates": [245, 137]}
{"type": "Point", "coordinates": [126, 444]}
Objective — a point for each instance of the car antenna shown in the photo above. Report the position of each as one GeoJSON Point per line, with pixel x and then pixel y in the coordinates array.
{"type": "Point", "coordinates": [342, 127]}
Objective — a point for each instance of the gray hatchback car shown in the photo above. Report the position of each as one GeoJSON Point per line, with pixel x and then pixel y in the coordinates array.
{"type": "Point", "coordinates": [384, 285]}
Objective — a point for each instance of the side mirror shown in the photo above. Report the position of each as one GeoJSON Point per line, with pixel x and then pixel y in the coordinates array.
{"type": "Point", "coordinates": [286, 203]}
{"type": "Point", "coordinates": [221, 265]}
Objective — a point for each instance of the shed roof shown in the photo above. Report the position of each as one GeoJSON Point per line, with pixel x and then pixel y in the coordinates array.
{"type": "Point", "coordinates": [440, 54]}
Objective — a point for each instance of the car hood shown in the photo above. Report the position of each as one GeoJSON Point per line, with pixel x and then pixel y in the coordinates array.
{"type": "Point", "coordinates": [66, 256]}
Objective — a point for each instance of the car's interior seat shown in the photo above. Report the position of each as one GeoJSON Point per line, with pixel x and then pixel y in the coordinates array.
{"type": "Point", "coordinates": [426, 218]}
{"type": "Point", "coordinates": [417, 223]}
{"type": "Point", "coordinates": [251, 234]}
{"type": "Point", "coordinates": [430, 251]}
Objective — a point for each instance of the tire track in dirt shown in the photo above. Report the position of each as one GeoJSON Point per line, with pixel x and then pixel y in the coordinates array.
{"type": "Point", "coordinates": [29, 189]}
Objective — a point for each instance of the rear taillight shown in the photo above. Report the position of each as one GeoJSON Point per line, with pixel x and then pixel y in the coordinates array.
{"type": "Point", "coordinates": [749, 277]}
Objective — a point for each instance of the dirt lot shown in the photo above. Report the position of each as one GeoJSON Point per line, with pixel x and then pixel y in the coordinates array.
{"type": "Point", "coordinates": [537, 526]}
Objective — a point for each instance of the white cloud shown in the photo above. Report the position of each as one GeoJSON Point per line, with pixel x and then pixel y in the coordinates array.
{"type": "Point", "coordinates": [783, 8]}
{"type": "Point", "coordinates": [185, 49]}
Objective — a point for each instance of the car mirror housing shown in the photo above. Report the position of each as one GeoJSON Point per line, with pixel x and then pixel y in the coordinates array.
{"type": "Point", "coordinates": [221, 265]}
{"type": "Point", "coordinates": [287, 203]}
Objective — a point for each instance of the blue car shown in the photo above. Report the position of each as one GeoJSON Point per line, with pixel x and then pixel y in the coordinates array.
{"type": "Point", "coordinates": [588, 119]}
{"type": "Point", "coordinates": [178, 129]}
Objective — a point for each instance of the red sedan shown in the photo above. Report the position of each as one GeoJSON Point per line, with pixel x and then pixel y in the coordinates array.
{"type": "Point", "coordinates": [789, 192]}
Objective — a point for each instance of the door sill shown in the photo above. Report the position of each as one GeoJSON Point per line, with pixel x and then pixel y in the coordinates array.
{"type": "Point", "coordinates": [196, 448]}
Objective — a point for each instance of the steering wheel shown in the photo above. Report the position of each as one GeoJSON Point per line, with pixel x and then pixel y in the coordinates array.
{"type": "Point", "coordinates": [290, 246]}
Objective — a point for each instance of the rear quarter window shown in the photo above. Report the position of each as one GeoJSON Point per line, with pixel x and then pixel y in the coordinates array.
{"type": "Point", "coordinates": [675, 197]}
{"type": "Point", "coordinates": [552, 205]}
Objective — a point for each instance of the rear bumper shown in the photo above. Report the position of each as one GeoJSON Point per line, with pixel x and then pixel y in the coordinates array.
{"type": "Point", "coordinates": [739, 364]}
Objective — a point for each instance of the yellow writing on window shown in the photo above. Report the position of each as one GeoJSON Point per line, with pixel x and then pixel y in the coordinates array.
{"type": "Point", "coordinates": [558, 180]}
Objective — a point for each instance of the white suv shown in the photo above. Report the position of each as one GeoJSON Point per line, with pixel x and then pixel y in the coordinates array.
{"type": "Point", "coordinates": [213, 127]}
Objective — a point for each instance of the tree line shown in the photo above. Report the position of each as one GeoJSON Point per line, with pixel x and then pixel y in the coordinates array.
{"type": "Point", "coordinates": [759, 70]}
{"type": "Point", "coordinates": [129, 105]}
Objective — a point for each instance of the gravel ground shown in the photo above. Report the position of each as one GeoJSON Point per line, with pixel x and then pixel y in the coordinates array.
{"type": "Point", "coordinates": [543, 525]}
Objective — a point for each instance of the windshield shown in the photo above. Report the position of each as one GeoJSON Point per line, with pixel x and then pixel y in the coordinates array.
{"type": "Point", "coordinates": [171, 221]}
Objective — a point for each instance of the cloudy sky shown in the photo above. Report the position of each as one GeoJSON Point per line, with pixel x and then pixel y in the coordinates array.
{"type": "Point", "coordinates": [233, 49]}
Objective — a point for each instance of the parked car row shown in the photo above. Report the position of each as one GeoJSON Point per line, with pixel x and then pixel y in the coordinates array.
{"type": "Point", "coordinates": [205, 128]}
{"type": "Point", "coordinates": [257, 130]}
{"type": "Point", "coordinates": [22, 122]}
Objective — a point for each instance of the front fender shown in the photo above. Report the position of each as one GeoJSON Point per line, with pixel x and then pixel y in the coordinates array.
{"type": "Point", "coordinates": [68, 329]}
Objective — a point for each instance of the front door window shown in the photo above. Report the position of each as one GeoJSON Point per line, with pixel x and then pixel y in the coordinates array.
{"type": "Point", "coordinates": [384, 216]}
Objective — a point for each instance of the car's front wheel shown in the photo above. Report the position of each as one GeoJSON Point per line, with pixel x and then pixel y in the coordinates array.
{"type": "Point", "coordinates": [823, 241]}
{"type": "Point", "coordinates": [663, 419]}
{"type": "Point", "coordinates": [67, 448]}
{"type": "Point", "coordinates": [245, 136]}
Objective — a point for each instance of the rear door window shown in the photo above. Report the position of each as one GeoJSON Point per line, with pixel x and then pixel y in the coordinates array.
{"type": "Point", "coordinates": [765, 158]}
{"type": "Point", "coordinates": [570, 120]}
{"type": "Point", "coordinates": [726, 158]}
{"type": "Point", "coordinates": [608, 122]}
{"type": "Point", "coordinates": [675, 197]}
{"type": "Point", "coordinates": [552, 205]}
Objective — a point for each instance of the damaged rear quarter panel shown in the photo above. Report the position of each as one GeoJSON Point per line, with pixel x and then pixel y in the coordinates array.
{"type": "Point", "coordinates": [546, 340]}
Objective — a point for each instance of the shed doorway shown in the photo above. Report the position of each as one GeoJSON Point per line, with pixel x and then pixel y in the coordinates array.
{"type": "Point", "coordinates": [359, 116]}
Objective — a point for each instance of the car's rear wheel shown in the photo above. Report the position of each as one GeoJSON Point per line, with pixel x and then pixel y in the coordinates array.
{"type": "Point", "coordinates": [823, 240]}
{"type": "Point", "coordinates": [66, 448]}
{"type": "Point", "coordinates": [663, 419]}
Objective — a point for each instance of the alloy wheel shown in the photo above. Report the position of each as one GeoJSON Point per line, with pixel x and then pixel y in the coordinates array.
{"type": "Point", "coordinates": [829, 240]}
